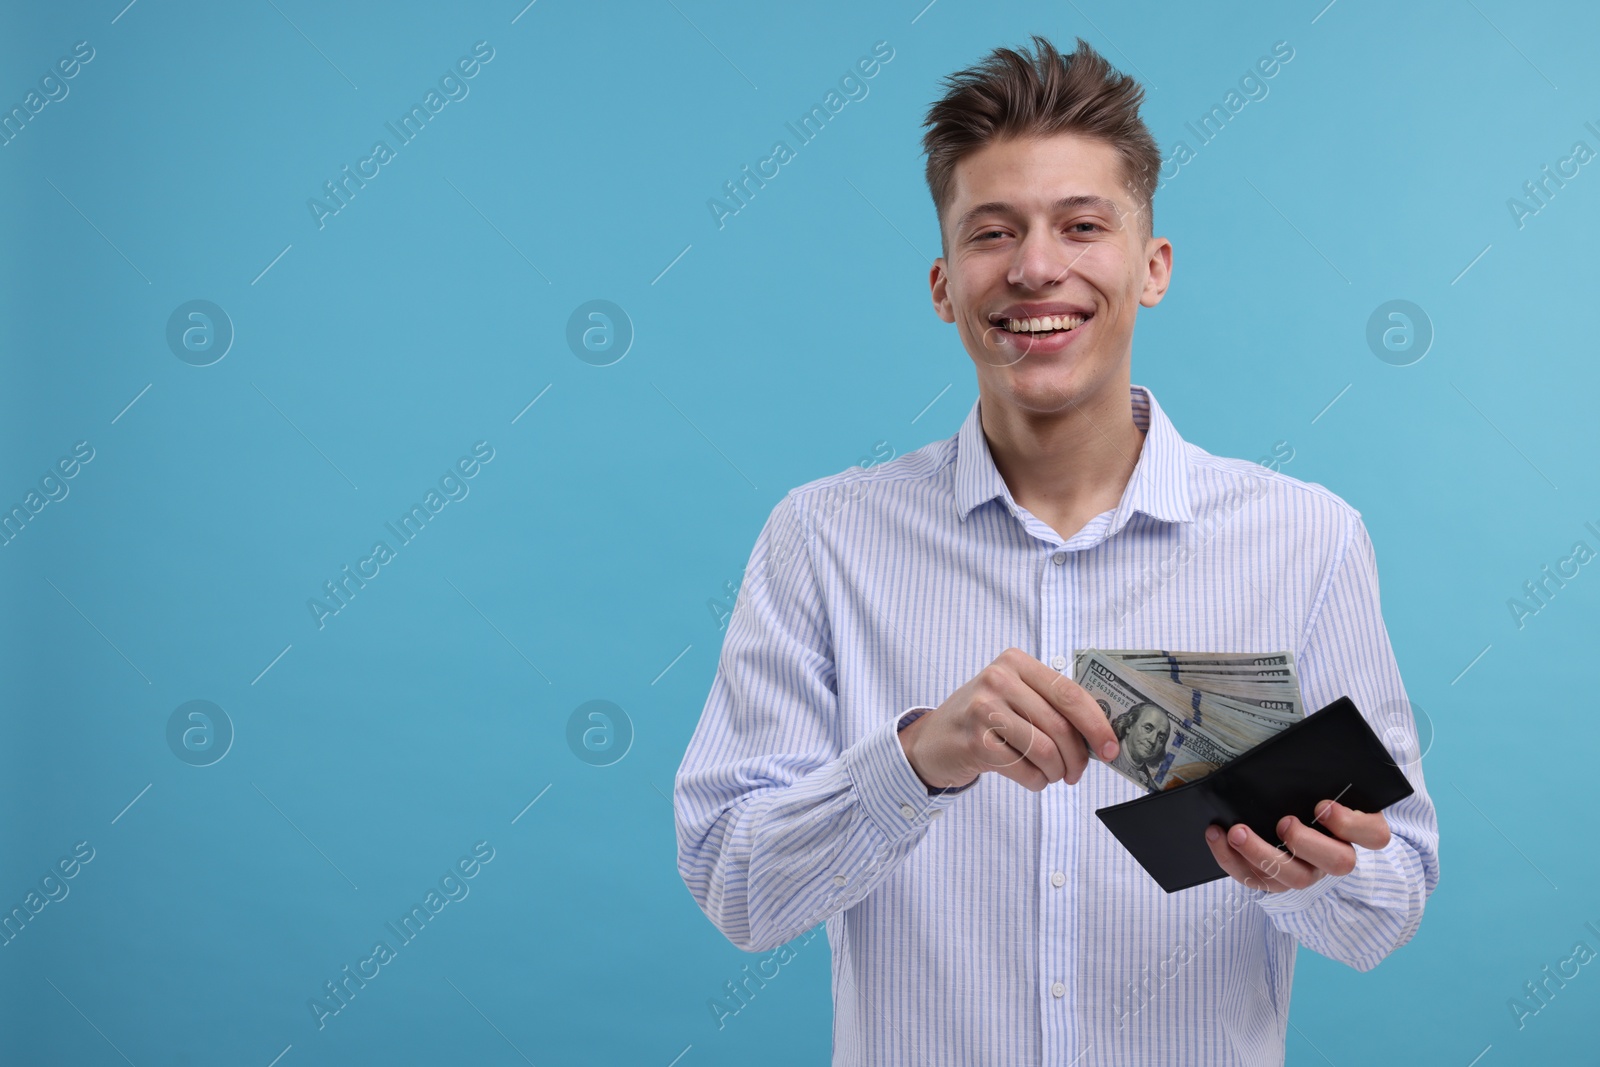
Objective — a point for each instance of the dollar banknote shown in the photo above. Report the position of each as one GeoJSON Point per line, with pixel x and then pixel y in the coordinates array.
{"type": "Point", "coordinates": [1179, 716]}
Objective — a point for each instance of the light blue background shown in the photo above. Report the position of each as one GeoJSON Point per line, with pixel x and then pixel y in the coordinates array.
{"type": "Point", "coordinates": [429, 312]}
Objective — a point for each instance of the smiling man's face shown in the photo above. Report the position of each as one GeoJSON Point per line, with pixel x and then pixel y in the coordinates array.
{"type": "Point", "coordinates": [1043, 228]}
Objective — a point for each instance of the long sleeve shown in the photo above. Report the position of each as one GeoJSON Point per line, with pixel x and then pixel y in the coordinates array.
{"type": "Point", "coordinates": [1360, 917]}
{"type": "Point", "coordinates": [779, 823]}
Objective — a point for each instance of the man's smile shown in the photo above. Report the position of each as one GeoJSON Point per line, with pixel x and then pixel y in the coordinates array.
{"type": "Point", "coordinates": [1045, 324]}
{"type": "Point", "coordinates": [1035, 320]}
{"type": "Point", "coordinates": [1038, 329]}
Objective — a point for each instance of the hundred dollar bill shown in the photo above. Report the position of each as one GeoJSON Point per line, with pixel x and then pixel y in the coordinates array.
{"type": "Point", "coordinates": [1159, 744]}
{"type": "Point", "coordinates": [1246, 665]}
{"type": "Point", "coordinates": [1222, 703]}
{"type": "Point", "coordinates": [1256, 658]}
{"type": "Point", "coordinates": [1238, 725]}
{"type": "Point", "coordinates": [1269, 684]}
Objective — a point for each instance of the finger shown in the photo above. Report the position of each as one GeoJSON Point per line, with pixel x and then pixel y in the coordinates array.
{"type": "Point", "coordinates": [1234, 864]}
{"type": "Point", "coordinates": [1076, 706]}
{"type": "Point", "coordinates": [1015, 748]}
{"type": "Point", "coordinates": [1274, 864]}
{"type": "Point", "coordinates": [1069, 744]}
{"type": "Point", "coordinates": [1369, 829]}
{"type": "Point", "coordinates": [1315, 847]}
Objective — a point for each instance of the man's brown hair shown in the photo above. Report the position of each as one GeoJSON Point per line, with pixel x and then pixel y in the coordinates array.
{"type": "Point", "coordinates": [1012, 94]}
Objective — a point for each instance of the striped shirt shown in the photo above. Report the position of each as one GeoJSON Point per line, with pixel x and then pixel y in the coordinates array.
{"type": "Point", "coordinates": [990, 924]}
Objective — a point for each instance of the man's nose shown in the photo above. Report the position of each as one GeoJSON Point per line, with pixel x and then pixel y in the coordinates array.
{"type": "Point", "coordinates": [1040, 261]}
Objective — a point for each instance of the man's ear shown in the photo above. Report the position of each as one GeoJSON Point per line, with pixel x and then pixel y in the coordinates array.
{"type": "Point", "coordinates": [1159, 271]}
{"type": "Point", "coordinates": [939, 288]}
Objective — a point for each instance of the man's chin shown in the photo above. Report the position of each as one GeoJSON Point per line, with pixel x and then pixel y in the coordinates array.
{"type": "Point", "coordinates": [1045, 390]}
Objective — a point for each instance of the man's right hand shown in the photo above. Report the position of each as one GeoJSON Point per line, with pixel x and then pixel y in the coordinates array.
{"type": "Point", "coordinates": [1019, 717]}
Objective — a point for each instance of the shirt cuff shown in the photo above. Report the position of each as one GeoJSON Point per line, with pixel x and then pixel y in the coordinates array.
{"type": "Point", "coordinates": [1292, 900]}
{"type": "Point", "coordinates": [897, 801]}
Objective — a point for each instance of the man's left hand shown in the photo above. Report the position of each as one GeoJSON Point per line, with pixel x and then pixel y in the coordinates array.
{"type": "Point", "coordinates": [1307, 853]}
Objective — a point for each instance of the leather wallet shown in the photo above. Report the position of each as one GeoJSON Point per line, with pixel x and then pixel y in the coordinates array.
{"type": "Point", "coordinates": [1331, 754]}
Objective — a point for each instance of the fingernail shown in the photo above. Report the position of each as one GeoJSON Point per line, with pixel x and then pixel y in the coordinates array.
{"type": "Point", "coordinates": [1109, 750]}
{"type": "Point", "coordinates": [1238, 834]}
{"type": "Point", "coordinates": [1213, 834]}
{"type": "Point", "coordinates": [1283, 825]}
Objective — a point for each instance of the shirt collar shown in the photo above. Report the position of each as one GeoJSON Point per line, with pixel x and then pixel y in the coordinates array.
{"type": "Point", "coordinates": [1159, 486]}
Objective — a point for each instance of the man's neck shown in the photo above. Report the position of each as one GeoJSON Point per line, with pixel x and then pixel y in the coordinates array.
{"type": "Point", "coordinates": [1066, 467]}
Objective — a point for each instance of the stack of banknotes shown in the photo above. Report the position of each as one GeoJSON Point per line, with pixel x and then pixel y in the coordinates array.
{"type": "Point", "coordinates": [1179, 716]}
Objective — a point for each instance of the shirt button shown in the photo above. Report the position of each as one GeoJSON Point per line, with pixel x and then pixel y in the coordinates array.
{"type": "Point", "coordinates": [1059, 558]}
{"type": "Point", "coordinates": [1058, 990]}
{"type": "Point", "coordinates": [908, 811]}
{"type": "Point", "coordinates": [935, 813]}
{"type": "Point", "coordinates": [1058, 879]}
{"type": "Point", "coordinates": [1058, 662]}
{"type": "Point", "coordinates": [840, 880]}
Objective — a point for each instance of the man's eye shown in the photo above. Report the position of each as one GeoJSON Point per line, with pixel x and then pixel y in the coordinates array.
{"type": "Point", "coordinates": [1091, 225]}
{"type": "Point", "coordinates": [988, 233]}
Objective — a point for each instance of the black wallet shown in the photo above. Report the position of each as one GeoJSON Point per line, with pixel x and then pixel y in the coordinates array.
{"type": "Point", "coordinates": [1331, 754]}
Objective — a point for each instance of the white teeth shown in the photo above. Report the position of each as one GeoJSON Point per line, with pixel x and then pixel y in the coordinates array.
{"type": "Point", "coordinates": [1049, 322]}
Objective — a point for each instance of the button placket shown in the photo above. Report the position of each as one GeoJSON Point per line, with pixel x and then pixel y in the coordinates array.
{"type": "Point", "coordinates": [1057, 812]}
{"type": "Point", "coordinates": [1071, 803]}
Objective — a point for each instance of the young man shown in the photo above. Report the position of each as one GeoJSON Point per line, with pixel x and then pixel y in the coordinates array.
{"type": "Point", "coordinates": [893, 742]}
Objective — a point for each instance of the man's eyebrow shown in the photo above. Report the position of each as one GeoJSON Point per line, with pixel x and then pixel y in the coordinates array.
{"type": "Point", "coordinates": [1066, 203]}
